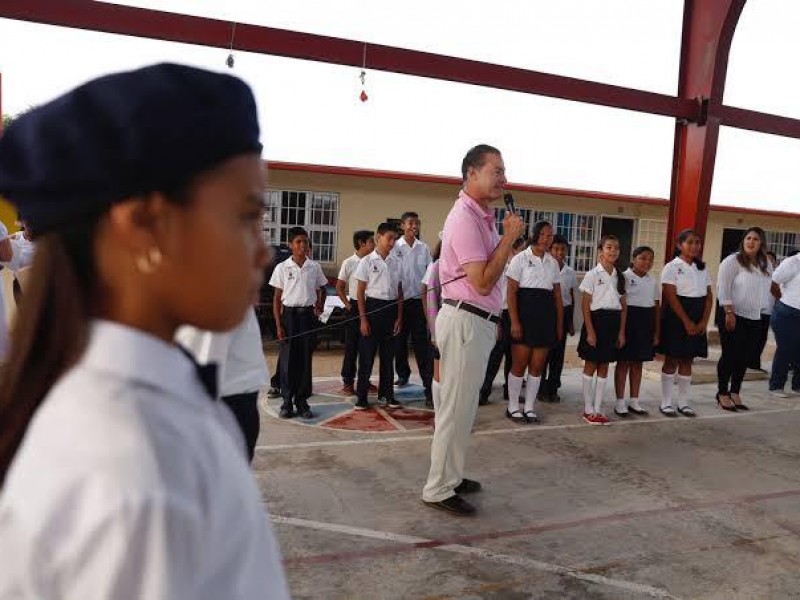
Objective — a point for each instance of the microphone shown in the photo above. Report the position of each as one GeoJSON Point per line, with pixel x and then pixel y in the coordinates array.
{"type": "Point", "coordinates": [508, 199]}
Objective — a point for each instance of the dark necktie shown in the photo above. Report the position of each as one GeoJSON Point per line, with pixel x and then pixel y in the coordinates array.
{"type": "Point", "coordinates": [207, 374]}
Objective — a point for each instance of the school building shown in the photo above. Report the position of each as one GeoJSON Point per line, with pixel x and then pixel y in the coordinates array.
{"type": "Point", "coordinates": [332, 202]}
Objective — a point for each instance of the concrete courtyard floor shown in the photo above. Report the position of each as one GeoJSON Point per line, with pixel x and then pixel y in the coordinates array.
{"type": "Point", "coordinates": [647, 507]}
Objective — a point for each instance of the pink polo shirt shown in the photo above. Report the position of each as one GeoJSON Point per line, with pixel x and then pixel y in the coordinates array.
{"type": "Point", "coordinates": [469, 236]}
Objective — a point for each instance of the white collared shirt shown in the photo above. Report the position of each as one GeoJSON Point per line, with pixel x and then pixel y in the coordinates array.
{"type": "Point", "coordinates": [530, 271]}
{"type": "Point", "coordinates": [347, 273]}
{"type": "Point", "coordinates": [415, 260]}
{"type": "Point", "coordinates": [742, 287]}
{"type": "Point", "coordinates": [786, 276]}
{"type": "Point", "coordinates": [381, 276]}
{"type": "Point", "coordinates": [569, 282]}
{"type": "Point", "coordinates": [131, 482]}
{"type": "Point", "coordinates": [239, 355]}
{"type": "Point", "coordinates": [641, 291]}
{"type": "Point", "coordinates": [603, 289]}
{"type": "Point", "coordinates": [298, 284]}
{"type": "Point", "coordinates": [689, 281]}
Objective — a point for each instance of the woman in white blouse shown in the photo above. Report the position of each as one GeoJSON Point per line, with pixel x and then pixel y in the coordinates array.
{"type": "Point", "coordinates": [744, 280]}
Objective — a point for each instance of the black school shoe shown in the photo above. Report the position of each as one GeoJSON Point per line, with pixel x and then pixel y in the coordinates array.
{"type": "Point", "coordinates": [468, 486]}
{"type": "Point", "coordinates": [286, 413]}
{"type": "Point", "coordinates": [455, 505]}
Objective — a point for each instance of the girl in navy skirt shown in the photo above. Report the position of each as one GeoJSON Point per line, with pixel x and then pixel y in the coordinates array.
{"type": "Point", "coordinates": [603, 333]}
{"type": "Point", "coordinates": [687, 304]}
{"type": "Point", "coordinates": [642, 329]}
{"type": "Point", "coordinates": [536, 313]}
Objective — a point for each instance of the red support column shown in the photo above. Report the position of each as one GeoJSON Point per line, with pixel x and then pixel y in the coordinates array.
{"type": "Point", "coordinates": [708, 27]}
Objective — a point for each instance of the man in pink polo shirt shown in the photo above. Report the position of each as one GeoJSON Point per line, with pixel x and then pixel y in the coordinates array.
{"type": "Point", "coordinates": [474, 256]}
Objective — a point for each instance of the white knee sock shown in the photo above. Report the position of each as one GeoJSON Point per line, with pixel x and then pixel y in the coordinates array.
{"type": "Point", "coordinates": [530, 391]}
{"type": "Point", "coordinates": [588, 396]}
{"type": "Point", "coordinates": [684, 383]}
{"type": "Point", "coordinates": [514, 390]}
{"type": "Point", "coordinates": [436, 394]}
{"type": "Point", "coordinates": [599, 392]}
{"type": "Point", "coordinates": [667, 383]}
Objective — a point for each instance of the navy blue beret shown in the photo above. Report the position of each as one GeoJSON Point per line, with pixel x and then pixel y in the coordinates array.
{"type": "Point", "coordinates": [120, 136]}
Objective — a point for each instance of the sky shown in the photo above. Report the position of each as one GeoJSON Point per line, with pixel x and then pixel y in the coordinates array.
{"type": "Point", "coordinates": [311, 112]}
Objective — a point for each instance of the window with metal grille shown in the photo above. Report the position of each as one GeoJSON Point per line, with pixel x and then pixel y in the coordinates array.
{"type": "Point", "coordinates": [317, 212]}
{"type": "Point", "coordinates": [579, 229]}
{"type": "Point", "coordinates": [653, 233]}
{"type": "Point", "coordinates": [782, 242]}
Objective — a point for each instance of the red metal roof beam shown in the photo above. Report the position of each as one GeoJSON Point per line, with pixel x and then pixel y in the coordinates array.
{"type": "Point", "coordinates": [139, 22]}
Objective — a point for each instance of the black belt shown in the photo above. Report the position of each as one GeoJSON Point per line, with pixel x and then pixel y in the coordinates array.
{"type": "Point", "coordinates": [470, 308]}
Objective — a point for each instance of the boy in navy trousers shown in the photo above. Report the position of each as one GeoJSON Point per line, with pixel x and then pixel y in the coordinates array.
{"type": "Point", "coordinates": [299, 298]}
{"type": "Point", "coordinates": [347, 289]}
{"type": "Point", "coordinates": [380, 308]}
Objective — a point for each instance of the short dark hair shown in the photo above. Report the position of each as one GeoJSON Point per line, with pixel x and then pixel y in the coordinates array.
{"type": "Point", "coordinates": [295, 232]}
{"type": "Point", "coordinates": [361, 237]}
{"type": "Point", "coordinates": [537, 230]}
{"type": "Point", "coordinates": [409, 214]}
{"type": "Point", "coordinates": [476, 157]}
{"type": "Point", "coordinates": [793, 252]}
{"type": "Point", "coordinates": [560, 239]}
{"type": "Point", "coordinates": [385, 228]}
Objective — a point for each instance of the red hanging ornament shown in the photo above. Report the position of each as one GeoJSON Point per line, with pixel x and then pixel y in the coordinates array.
{"type": "Point", "coordinates": [363, 96]}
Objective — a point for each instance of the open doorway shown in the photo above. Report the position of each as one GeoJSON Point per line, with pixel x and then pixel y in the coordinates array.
{"type": "Point", "coordinates": [730, 242]}
{"type": "Point", "coordinates": [623, 230]}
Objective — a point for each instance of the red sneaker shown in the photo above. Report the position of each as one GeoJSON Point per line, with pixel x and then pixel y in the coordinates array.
{"type": "Point", "coordinates": [589, 418]}
{"type": "Point", "coordinates": [601, 420]}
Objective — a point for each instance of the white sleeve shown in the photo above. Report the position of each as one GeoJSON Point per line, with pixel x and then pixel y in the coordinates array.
{"type": "Point", "coordinates": [362, 271]}
{"type": "Point", "coordinates": [656, 290]}
{"type": "Point", "coordinates": [321, 279]}
{"type": "Point", "coordinates": [346, 269]}
{"type": "Point", "coordinates": [727, 273]}
{"type": "Point", "coordinates": [276, 280]}
{"type": "Point", "coordinates": [709, 282]}
{"type": "Point", "coordinates": [668, 275]}
{"type": "Point", "coordinates": [427, 279]}
{"type": "Point", "coordinates": [587, 285]}
{"type": "Point", "coordinates": [147, 549]}
{"type": "Point", "coordinates": [514, 269]}
{"type": "Point", "coordinates": [556, 273]}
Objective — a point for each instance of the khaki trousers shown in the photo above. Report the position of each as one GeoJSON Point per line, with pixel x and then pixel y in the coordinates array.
{"type": "Point", "coordinates": [465, 342]}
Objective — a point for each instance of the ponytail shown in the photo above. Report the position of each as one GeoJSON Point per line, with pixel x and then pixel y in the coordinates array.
{"type": "Point", "coordinates": [50, 332]}
{"type": "Point", "coordinates": [682, 237]}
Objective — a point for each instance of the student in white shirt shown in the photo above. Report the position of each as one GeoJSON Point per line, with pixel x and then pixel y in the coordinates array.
{"type": "Point", "coordinates": [415, 256]}
{"type": "Point", "coordinates": [380, 308]}
{"type": "Point", "coordinates": [603, 333]}
{"type": "Point", "coordinates": [642, 330]}
{"type": "Point", "coordinates": [551, 377]}
{"type": "Point", "coordinates": [347, 289]}
{"type": "Point", "coordinates": [298, 301]}
{"type": "Point", "coordinates": [745, 278]}
{"type": "Point", "coordinates": [241, 369]}
{"type": "Point", "coordinates": [501, 353]}
{"type": "Point", "coordinates": [686, 303]}
{"type": "Point", "coordinates": [431, 303]}
{"type": "Point", "coordinates": [122, 476]}
{"type": "Point", "coordinates": [786, 324]}
{"type": "Point", "coordinates": [534, 306]}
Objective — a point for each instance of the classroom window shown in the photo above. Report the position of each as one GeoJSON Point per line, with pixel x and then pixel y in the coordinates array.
{"type": "Point", "coordinates": [579, 229]}
{"type": "Point", "coordinates": [782, 242]}
{"type": "Point", "coordinates": [317, 212]}
{"type": "Point", "coordinates": [653, 233]}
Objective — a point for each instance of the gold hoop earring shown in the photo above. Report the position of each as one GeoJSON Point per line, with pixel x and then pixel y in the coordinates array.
{"type": "Point", "coordinates": [148, 263]}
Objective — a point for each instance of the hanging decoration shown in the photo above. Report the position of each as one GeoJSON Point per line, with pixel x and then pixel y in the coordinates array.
{"type": "Point", "coordinates": [363, 77]}
{"type": "Point", "coordinates": [230, 61]}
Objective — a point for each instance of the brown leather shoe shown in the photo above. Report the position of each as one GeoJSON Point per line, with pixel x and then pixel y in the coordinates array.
{"type": "Point", "coordinates": [348, 390]}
